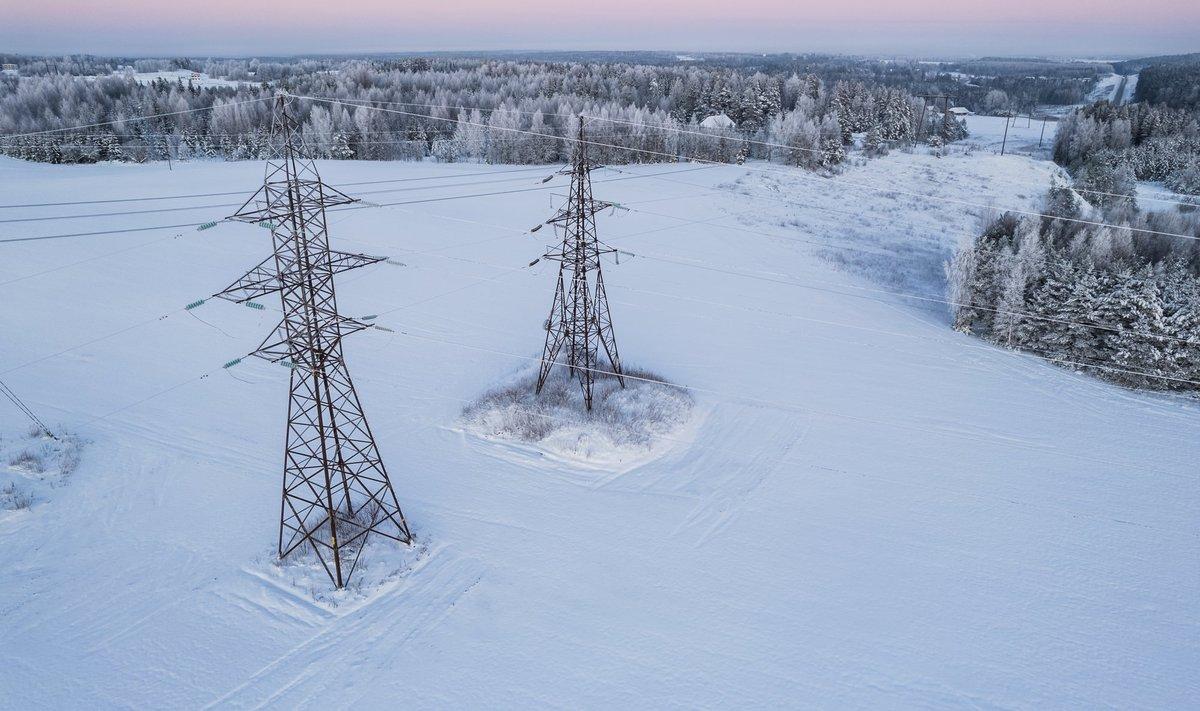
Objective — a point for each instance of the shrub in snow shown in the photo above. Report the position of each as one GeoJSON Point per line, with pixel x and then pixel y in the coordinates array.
{"type": "Point", "coordinates": [624, 422]}
{"type": "Point", "coordinates": [376, 563]}
{"type": "Point", "coordinates": [12, 498]}
{"type": "Point", "coordinates": [37, 464]}
{"type": "Point", "coordinates": [28, 461]}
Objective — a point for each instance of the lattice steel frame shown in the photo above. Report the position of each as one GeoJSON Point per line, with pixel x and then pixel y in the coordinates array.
{"type": "Point", "coordinates": [336, 492]}
{"type": "Point", "coordinates": [579, 316]}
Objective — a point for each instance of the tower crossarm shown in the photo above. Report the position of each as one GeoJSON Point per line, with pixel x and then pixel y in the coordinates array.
{"type": "Point", "coordinates": [263, 278]}
{"type": "Point", "coordinates": [331, 328]}
{"type": "Point", "coordinates": [279, 201]}
{"type": "Point", "coordinates": [572, 212]}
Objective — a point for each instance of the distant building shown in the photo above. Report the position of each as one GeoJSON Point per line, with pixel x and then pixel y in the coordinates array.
{"type": "Point", "coordinates": [959, 112]}
{"type": "Point", "coordinates": [718, 121]}
{"type": "Point", "coordinates": [10, 69]}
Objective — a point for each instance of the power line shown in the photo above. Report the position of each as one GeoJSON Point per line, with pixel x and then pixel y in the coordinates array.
{"type": "Point", "coordinates": [780, 278]}
{"type": "Point", "coordinates": [125, 230]}
{"type": "Point", "coordinates": [341, 209]}
{"type": "Point", "coordinates": [1043, 355]}
{"type": "Point", "coordinates": [188, 208]}
{"type": "Point", "coordinates": [781, 405]}
{"type": "Point", "coordinates": [461, 107]}
{"type": "Point", "coordinates": [802, 285]}
{"type": "Point", "coordinates": [539, 168]}
{"type": "Point", "coordinates": [130, 119]}
{"type": "Point", "coordinates": [12, 396]}
{"type": "Point", "coordinates": [669, 259]}
{"type": "Point", "coordinates": [697, 159]}
{"type": "Point", "coordinates": [673, 129]}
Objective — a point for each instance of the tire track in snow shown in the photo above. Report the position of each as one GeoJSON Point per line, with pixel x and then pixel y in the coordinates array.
{"type": "Point", "coordinates": [728, 491]}
{"type": "Point", "coordinates": [383, 625]}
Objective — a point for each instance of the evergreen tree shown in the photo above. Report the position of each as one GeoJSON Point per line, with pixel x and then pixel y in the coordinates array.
{"type": "Point", "coordinates": [833, 153]}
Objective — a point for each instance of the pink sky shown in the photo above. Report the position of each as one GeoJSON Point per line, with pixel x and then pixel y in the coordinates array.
{"type": "Point", "coordinates": [1097, 28]}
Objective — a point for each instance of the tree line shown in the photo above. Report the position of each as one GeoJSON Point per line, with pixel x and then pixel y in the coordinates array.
{"type": "Point", "coordinates": [458, 109]}
{"type": "Point", "coordinates": [1120, 303]}
{"type": "Point", "coordinates": [1176, 85]}
{"type": "Point", "coordinates": [1109, 147]}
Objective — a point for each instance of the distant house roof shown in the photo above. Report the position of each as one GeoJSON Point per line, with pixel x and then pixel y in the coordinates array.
{"type": "Point", "coordinates": [717, 121]}
{"type": "Point", "coordinates": [960, 111]}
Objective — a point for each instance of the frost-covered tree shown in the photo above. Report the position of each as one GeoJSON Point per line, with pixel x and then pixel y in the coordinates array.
{"type": "Point", "coordinates": [1088, 295]}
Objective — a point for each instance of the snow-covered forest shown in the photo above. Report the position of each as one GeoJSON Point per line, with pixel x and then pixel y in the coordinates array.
{"type": "Point", "coordinates": [1109, 147]}
{"type": "Point", "coordinates": [1174, 83]}
{"type": "Point", "coordinates": [1101, 285]}
{"type": "Point", "coordinates": [456, 110]}
{"type": "Point", "coordinates": [1121, 303]}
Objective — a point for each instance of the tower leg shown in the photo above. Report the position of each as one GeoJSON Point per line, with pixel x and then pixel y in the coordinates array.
{"type": "Point", "coordinates": [555, 334]}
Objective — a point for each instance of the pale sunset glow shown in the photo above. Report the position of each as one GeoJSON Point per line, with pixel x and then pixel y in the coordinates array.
{"type": "Point", "coordinates": [922, 27]}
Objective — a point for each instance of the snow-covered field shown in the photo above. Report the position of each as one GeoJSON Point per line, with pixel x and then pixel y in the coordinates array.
{"type": "Point", "coordinates": [200, 80]}
{"type": "Point", "coordinates": [1024, 134]}
{"type": "Point", "coordinates": [872, 512]}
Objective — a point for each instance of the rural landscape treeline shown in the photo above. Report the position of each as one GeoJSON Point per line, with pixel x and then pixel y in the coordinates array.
{"type": "Point", "coordinates": [643, 107]}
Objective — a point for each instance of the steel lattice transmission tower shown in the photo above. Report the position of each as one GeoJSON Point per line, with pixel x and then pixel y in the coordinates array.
{"type": "Point", "coordinates": [579, 319]}
{"type": "Point", "coordinates": [336, 492]}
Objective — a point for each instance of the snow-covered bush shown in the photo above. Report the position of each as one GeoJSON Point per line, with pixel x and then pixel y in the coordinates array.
{"type": "Point", "coordinates": [624, 422]}
{"type": "Point", "coordinates": [35, 465]}
{"type": "Point", "coordinates": [12, 498]}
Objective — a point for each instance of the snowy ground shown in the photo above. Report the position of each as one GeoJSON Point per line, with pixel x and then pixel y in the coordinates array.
{"type": "Point", "coordinates": [32, 465]}
{"type": "Point", "coordinates": [199, 80]}
{"type": "Point", "coordinates": [631, 422]}
{"type": "Point", "coordinates": [1024, 135]}
{"type": "Point", "coordinates": [1130, 88]}
{"type": "Point", "coordinates": [1154, 195]}
{"type": "Point", "coordinates": [1105, 89]}
{"type": "Point", "coordinates": [874, 511]}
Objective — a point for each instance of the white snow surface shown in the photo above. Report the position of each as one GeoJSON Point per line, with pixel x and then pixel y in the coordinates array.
{"type": "Point", "coordinates": [873, 512]}
{"type": "Point", "coordinates": [200, 80]}
{"type": "Point", "coordinates": [1130, 88]}
{"type": "Point", "coordinates": [1024, 134]}
{"type": "Point", "coordinates": [1105, 89]}
{"type": "Point", "coordinates": [631, 422]}
{"type": "Point", "coordinates": [1154, 196]}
